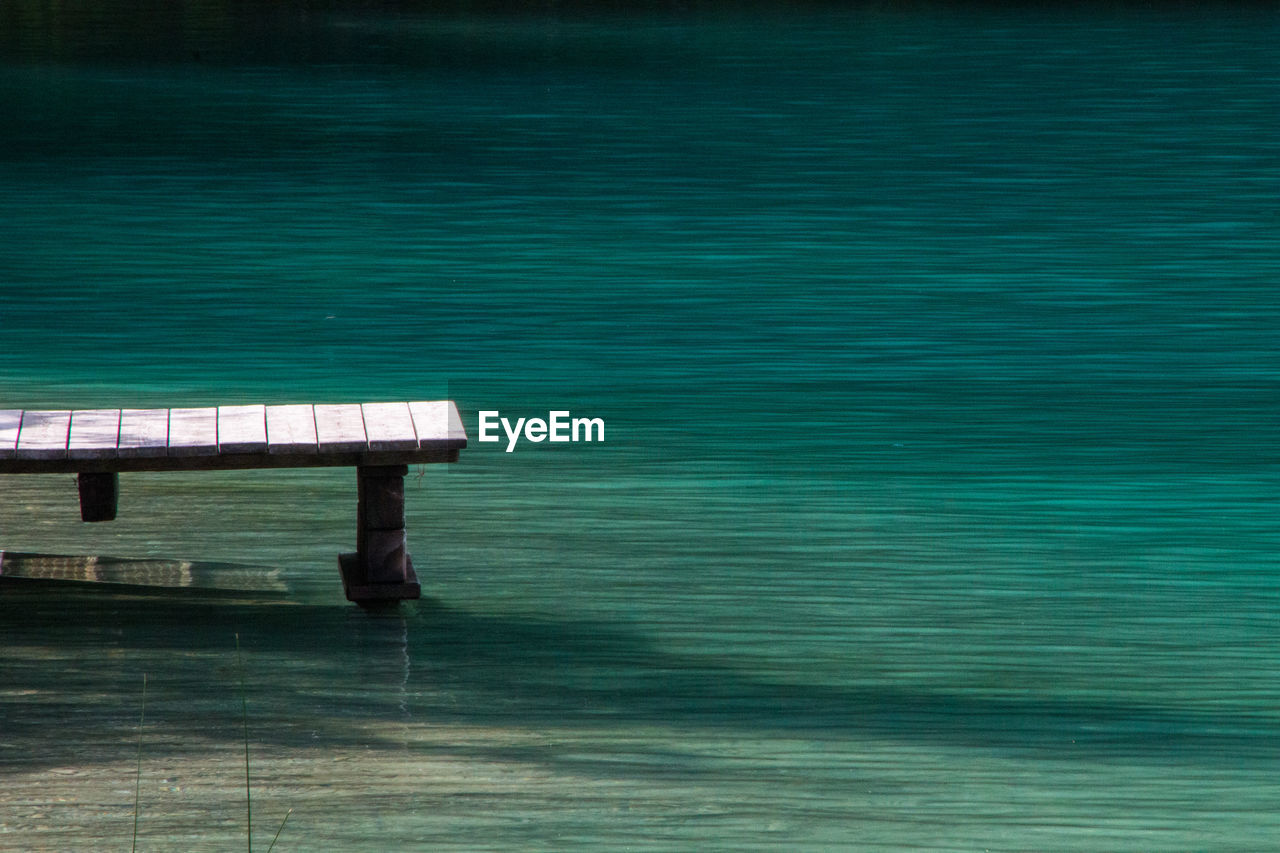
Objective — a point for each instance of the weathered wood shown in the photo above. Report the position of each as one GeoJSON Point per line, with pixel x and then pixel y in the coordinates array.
{"type": "Point", "coordinates": [385, 555]}
{"type": "Point", "coordinates": [242, 429]}
{"type": "Point", "coordinates": [381, 569]}
{"type": "Point", "coordinates": [230, 462]}
{"type": "Point", "coordinates": [379, 439]}
{"type": "Point", "coordinates": [44, 435]}
{"type": "Point", "coordinates": [95, 433]}
{"type": "Point", "coordinates": [193, 432]}
{"type": "Point", "coordinates": [382, 497]}
{"type": "Point", "coordinates": [186, 439]}
{"type": "Point", "coordinates": [373, 595]}
{"type": "Point", "coordinates": [340, 427]}
{"type": "Point", "coordinates": [291, 429]}
{"type": "Point", "coordinates": [143, 433]}
{"type": "Point", "coordinates": [379, 506]}
{"type": "Point", "coordinates": [10, 422]}
{"type": "Point", "coordinates": [437, 421]}
{"type": "Point", "coordinates": [99, 494]}
{"type": "Point", "coordinates": [389, 426]}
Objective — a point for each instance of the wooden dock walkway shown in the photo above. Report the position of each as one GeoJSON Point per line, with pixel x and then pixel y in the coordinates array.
{"type": "Point", "coordinates": [255, 436]}
{"type": "Point", "coordinates": [379, 439]}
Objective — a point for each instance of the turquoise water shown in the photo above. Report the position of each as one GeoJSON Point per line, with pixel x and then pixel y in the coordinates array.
{"type": "Point", "coordinates": [936, 351]}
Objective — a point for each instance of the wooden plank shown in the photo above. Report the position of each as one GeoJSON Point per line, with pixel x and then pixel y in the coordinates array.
{"type": "Point", "coordinates": [10, 421]}
{"type": "Point", "coordinates": [340, 428]}
{"type": "Point", "coordinates": [187, 439]}
{"type": "Point", "coordinates": [291, 429]}
{"type": "Point", "coordinates": [193, 432]}
{"type": "Point", "coordinates": [143, 432]}
{"type": "Point", "coordinates": [44, 435]}
{"type": "Point", "coordinates": [242, 429]}
{"type": "Point", "coordinates": [95, 433]}
{"type": "Point", "coordinates": [389, 426]}
{"type": "Point", "coordinates": [437, 420]}
{"type": "Point", "coordinates": [456, 431]}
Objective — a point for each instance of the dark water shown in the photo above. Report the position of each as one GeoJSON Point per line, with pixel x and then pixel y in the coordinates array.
{"type": "Point", "coordinates": [936, 350]}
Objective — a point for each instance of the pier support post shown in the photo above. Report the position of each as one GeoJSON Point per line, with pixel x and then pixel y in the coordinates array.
{"type": "Point", "coordinates": [99, 495]}
{"type": "Point", "coordinates": [380, 571]}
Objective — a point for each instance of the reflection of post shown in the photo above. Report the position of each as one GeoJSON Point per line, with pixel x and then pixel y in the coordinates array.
{"type": "Point", "coordinates": [380, 569]}
{"type": "Point", "coordinates": [404, 677]}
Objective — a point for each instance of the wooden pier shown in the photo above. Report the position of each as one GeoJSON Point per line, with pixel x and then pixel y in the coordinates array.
{"type": "Point", "coordinates": [380, 440]}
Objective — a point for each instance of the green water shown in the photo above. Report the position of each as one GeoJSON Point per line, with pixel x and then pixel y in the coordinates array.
{"type": "Point", "coordinates": [936, 350]}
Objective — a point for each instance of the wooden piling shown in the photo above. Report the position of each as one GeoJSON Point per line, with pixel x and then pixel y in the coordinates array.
{"type": "Point", "coordinates": [99, 495]}
{"type": "Point", "coordinates": [380, 570]}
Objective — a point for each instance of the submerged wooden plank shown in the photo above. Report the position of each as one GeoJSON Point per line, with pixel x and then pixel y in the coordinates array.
{"type": "Point", "coordinates": [291, 429]}
{"type": "Point", "coordinates": [95, 434]}
{"type": "Point", "coordinates": [437, 421]}
{"type": "Point", "coordinates": [389, 426]}
{"type": "Point", "coordinates": [242, 429]}
{"type": "Point", "coordinates": [43, 435]}
{"type": "Point", "coordinates": [143, 432]}
{"type": "Point", "coordinates": [10, 421]}
{"type": "Point", "coordinates": [193, 432]}
{"type": "Point", "coordinates": [340, 427]}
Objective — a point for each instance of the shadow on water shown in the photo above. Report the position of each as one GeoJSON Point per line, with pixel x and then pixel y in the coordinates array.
{"type": "Point", "coordinates": [331, 676]}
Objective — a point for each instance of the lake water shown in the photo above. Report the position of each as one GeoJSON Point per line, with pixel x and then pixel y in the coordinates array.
{"type": "Point", "coordinates": [936, 348]}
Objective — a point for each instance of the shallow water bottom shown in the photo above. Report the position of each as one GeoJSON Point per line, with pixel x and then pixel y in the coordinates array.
{"type": "Point", "coordinates": [434, 727]}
